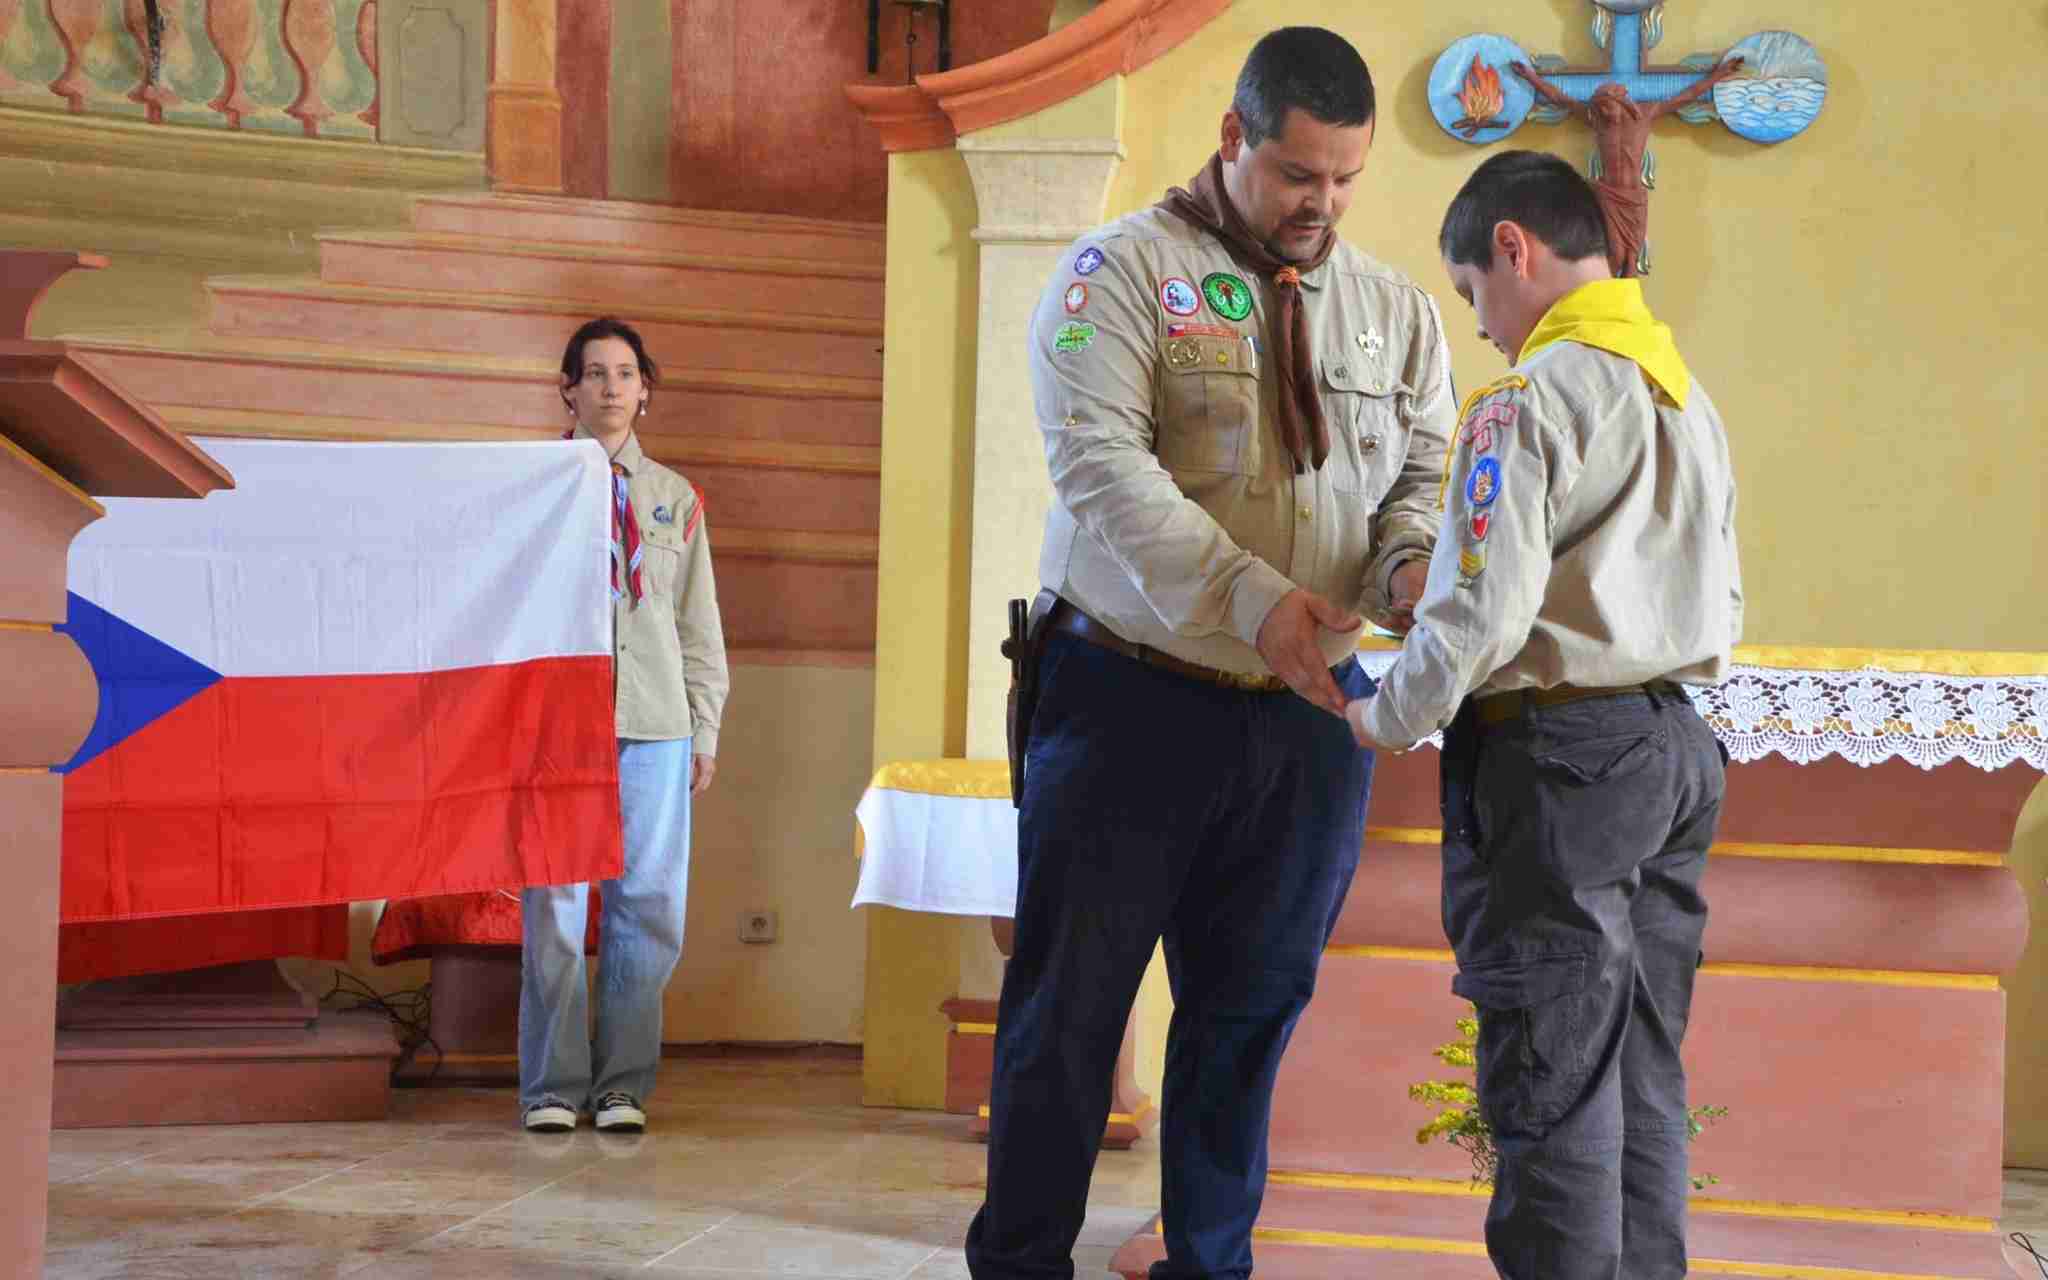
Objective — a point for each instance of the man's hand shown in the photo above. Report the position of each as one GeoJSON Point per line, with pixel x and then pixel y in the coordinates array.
{"type": "Point", "coordinates": [1288, 641]}
{"type": "Point", "coordinates": [701, 770]}
{"type": "Point", "coordinates": [1406, 589]}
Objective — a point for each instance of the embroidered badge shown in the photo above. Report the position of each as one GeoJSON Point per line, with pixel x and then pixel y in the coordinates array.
{"type": "Point", "coordinates": [1371, 342]}
{"type": "Point", "coordinates": [1227, 295]}
{"type": "Point", "coordinates": [1088, 261]}
{"type": "Point", "coordinates": [1178, 329]}
{"type": "Point", "coordinates": [1077, 298]}
{"type": "Point", "coordinates": [1488, 426]}
{"type": "Point", "coordinates": [662, 515]}
{"type": "Point", "coordinates": [1074, 336]}
{"type": "Point", "coordinates": [1471, 563]}
{"type": "Point", "coordinates": [1482, 522]}
{"type": "Point", "coordinates": [1179, 297]}
{"type": "Point", "coordinates": [1483, 485]}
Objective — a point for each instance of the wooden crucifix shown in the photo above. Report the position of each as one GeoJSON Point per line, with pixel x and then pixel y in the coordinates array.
{"type": "Point", "coordinates": [1767, 88]}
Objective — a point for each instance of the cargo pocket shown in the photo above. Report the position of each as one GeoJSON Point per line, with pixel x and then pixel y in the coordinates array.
{"type": "Point", "coordinates": [1368, 438]}
{"type": "Point", "coordinates": [1594, 760]}
{"type": "Point", "coordinates": [1532, 1059]}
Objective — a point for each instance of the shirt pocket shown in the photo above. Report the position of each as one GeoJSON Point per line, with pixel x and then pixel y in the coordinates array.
{"type": "Point", "coordinates": [1208, 417]}
{"type": "Point", "coordinates": [662, 555]}
{"type": "Point", "coordinates": [1368, 436]}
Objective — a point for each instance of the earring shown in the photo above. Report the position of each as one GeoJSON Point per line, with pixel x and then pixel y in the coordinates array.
{"type": "Point", "coordinates": [643, 408]}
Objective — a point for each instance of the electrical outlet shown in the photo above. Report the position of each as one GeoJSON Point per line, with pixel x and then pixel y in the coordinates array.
{"type": "Point", "coordinates": [759, 926]}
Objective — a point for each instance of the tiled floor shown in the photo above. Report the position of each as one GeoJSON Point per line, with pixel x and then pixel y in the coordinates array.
{"type": "Point", "coordinates": [753, 1168]}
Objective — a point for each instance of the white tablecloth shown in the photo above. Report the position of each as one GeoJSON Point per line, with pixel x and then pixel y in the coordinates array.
{"type": "Point", "coordinates": [952, 854]}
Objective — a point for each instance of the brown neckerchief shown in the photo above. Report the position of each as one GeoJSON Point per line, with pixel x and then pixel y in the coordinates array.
{"type": "Point", "coordinates": [1205, 204]}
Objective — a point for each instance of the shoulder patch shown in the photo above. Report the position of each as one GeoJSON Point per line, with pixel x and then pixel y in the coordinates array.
{"type": "Point", "coordinates": [1482, 420]}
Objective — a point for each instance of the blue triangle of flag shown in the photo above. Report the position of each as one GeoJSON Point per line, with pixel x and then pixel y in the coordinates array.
{"type": "Point", "coordinates": [141, 678]}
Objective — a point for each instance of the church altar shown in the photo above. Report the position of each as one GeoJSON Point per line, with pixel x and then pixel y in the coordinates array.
{"type": "Point", "coordinates": [1849, 1015]}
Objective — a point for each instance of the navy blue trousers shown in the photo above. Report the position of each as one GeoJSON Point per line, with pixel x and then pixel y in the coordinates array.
{"type": "Point", "coordinates": [1157, 807]}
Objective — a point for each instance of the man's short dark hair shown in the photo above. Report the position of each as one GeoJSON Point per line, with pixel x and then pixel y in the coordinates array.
{"type": "Point", "coordinates": [1534, 188]}
{"type": "Point", "coordinates": [1306, 67]}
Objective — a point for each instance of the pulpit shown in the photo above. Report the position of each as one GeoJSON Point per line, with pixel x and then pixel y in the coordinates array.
{"type": "Point", "coordinates": [64, 432]}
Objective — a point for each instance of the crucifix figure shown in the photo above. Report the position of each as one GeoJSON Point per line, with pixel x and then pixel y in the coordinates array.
{"type": "Point", "coordinates": [1766, 87]}
{"type": "Point", "coordinates": [1621, 130]}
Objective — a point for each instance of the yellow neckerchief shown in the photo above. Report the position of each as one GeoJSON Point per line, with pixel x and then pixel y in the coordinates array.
{"type": "Point", "coordinates": [1611, 315]}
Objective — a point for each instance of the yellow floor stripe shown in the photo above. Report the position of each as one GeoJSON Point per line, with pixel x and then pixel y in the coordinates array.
{"type": "Point", "coordinates": [975, 1028]}
{"type": "Point", "coordinates": [1378, 1182]}
{"type": "Point", "coordinates": [9, 624]}
{"type": "Point", "coordinates": [1465, 1187]}
{"type": "Point", "coordinates": [1784, 972]}
{"type": "Point", "coordinates": [1761, 849]}
{"type": "Point", "coordinates": [1115, 1117]}
{"type": "Point", "coordinates": [1473, 1249]}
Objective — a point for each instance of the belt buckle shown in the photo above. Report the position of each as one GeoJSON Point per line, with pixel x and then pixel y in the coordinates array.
{"type": "Point", "coordinates": [1246, 681]}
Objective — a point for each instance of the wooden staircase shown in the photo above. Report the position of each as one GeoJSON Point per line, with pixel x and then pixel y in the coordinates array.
{"type": "Point", "coordinates": [768, 331]}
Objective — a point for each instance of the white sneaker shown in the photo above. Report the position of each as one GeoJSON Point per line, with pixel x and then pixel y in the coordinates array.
{"type": "Point", "coordinates": [550, 1115]}
{"type": "Point", "coordinates": [618, 1112]}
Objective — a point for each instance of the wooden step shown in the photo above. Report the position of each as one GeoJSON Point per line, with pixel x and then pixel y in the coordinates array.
{"type": "Point", "coordinates": [313, 310]}
{"type": "Point", "coordinates": [792, 486]}
{"type": "Point", "coordinates": [480, 264]}
{"type": "Point", "coordinates": [336, 1067]}
{"type": "Point", "coordinates": [422, 388]}
{"type": "Point", "coordinates": [650, 226]}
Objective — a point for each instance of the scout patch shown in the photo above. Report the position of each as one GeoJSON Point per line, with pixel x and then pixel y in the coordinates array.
{"type": "Point", "coordinates": [1179, 297]}
{"type": "Point", "coordinates": [1179, 330]}
{"type": "Point", "coordinates": [1227, 295]}
{"type": "Point", "coordinates": [1074, 336]}
{"type": "Point", "coordinates": [1088, 262]}
{"type": "Point", "coordinates": [1077, 298]}
{"type": "Point", "coordinates": [1471, 563]}
{"type": "Point", "coordinates": [1504, 383]}
{"type": "Point", "coordinates": [662, 515]}
{"type": "Point", "coordinates": [1371, 342]}
{"type": "Point", "coordinates": [1489, 426]}
{"type": "Point", "coordinates": [1483, 485]}
{"type": "Point", "coordinates": [1482, 522]}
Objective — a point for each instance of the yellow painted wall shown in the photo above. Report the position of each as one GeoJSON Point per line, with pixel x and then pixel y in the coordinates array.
{"type": "Point", "coordinates": [921, 603]}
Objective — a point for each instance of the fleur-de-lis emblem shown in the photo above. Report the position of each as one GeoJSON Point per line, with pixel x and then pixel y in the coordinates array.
{"type": "Point", "coordinates": [1371, 342]}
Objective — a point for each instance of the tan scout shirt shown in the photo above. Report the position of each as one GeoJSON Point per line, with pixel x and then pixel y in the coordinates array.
{"type": "Point", "coordinates": [1588, 539]}
{"type": "Point", "coordinates": [669, 648]}
{"type": "Point", "coordinates": [1177, 519]}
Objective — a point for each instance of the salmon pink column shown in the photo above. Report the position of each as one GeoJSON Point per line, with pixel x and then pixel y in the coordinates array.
{"type": "Point", "coordinates": [523, 141]}
{"type": "Point", "coordinates": [66, 432]}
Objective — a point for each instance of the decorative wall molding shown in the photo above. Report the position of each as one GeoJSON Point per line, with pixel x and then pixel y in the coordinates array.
{"type": "Point", "coordinates": [1116, 38]}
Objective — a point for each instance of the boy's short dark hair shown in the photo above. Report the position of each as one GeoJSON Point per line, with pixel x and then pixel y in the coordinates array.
{"type": "Point", "coordinates": [1534, 188]}
{"type": "Point", "coordinates": [1306, 67]}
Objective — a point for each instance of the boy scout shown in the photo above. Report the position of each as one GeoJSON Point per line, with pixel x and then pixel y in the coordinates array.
{"type": "Point", "coordinates": [1586, 572]}
{"type": "Point", "coordinates": [1245, 421]}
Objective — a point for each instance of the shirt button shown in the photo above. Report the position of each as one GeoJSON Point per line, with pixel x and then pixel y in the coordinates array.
{"type": "Point", "coordinates": [1371, 444]}
{"type": "Point", "coordinates": [1073, 421]}
{"type": "Point", "coordinates": [1341, 371]}
{"type": "Point", "coordinates": [1304, 511]}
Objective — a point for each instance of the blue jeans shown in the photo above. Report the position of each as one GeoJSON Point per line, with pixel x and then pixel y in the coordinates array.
{"type": "Point", "coordinates": [1157, 807]}
{"type": "Point", "coordinates": [640, 940]}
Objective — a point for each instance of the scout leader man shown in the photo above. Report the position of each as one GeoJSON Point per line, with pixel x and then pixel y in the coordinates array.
{"type": "Point", "coordinates": [1245, 421]}
{"type": "Point", "coordinates": [1587, 571]}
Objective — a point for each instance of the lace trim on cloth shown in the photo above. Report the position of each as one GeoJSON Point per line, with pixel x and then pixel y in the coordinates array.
{"type": "Point", "coordinates": [1872, 715]}
{"type": "Point", "coordinates": [1866, 716]}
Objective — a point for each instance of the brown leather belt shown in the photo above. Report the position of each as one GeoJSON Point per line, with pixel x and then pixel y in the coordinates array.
{"type": "Point", "coordinates": [1065, 617]}
{"type": "Point", "coordinates": [1498, 707]}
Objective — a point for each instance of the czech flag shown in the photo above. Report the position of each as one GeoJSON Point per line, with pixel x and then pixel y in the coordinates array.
{"type": "Point", "coordinates": [367, 671]}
